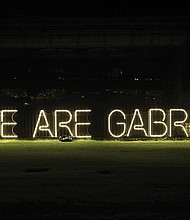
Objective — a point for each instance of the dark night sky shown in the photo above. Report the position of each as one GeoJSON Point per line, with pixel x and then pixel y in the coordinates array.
{"type": "Point", "coordinates": [68, 8]}
{"type": "Point", "coordinates": [93, 8]}
{"type": "Point", "coordinates": [23, 60]}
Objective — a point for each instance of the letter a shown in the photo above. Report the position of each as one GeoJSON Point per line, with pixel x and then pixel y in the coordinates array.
{"type": "Point", "coordinates": [42, 127]}
{"type": "Point", "coordinates": [137, 127]}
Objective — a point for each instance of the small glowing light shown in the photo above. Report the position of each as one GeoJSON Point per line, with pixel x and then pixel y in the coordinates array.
{"type": "Point", "coordinates": [61, 78]}
{"type": "Point", "coordinates": [5, 124]}
{"type": "Point", "coordinates": [42, 127]}
{"type": "Point", "coordinates": [148, 79]}
{"type": "Point", "coordinates": [118, 123]}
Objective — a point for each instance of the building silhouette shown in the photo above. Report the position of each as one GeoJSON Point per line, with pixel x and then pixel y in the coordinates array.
{"type": "Point", "coordinates": [137, 59]}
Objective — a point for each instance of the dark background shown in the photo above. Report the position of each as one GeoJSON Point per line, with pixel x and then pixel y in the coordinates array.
{"type": "Point", "coordinates": [135, 52]}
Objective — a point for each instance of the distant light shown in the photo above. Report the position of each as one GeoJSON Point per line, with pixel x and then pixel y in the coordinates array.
{"type": "Point", "coordinates": [26, 104]}
{"type": "Point", "coordinates": [61, 78]}
{"type": "Point", "coordinates": [115, 92]}
{"type": "Point", "coordinates": [148, 79]}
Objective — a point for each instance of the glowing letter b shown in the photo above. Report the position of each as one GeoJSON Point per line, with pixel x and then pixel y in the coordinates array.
{"type": "Point", "coordinates": [161, 122]}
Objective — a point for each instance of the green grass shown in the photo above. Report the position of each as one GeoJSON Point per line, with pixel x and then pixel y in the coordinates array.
{"type": "Point", "coordinates": [96, 179]}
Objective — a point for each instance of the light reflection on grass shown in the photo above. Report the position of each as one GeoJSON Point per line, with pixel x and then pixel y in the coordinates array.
{"type": "Point", "coordinates": [101, 171]}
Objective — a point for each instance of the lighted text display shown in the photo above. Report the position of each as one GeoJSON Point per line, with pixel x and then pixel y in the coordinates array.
{"type": "Point", "coordinates": [63, 119]}
{"type": "Point", "coordinates": [154, 123]}
{"type": "Point", "coordinates": [158, 123]}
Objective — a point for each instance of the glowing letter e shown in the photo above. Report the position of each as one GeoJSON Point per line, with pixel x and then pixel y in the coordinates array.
{"type": "Point", "coordinates": [7, 124]}
{"type": "Point", "coordinates": [151, 122]}
{"type": "Point", "coordinates": [118, 123]}
{"type": "Point", "coordinates": [77, 124]}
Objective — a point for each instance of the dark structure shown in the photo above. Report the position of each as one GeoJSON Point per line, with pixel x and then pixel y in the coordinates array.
{"type": "Point", "coordinates": [136, 59]}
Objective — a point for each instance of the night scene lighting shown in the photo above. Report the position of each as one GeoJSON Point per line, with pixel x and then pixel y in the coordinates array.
{"type": "Point", "coordinates": [95, 110]}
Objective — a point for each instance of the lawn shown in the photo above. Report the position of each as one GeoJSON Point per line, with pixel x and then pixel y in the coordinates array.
{"type": "Point", "coordinates": [87, 179]}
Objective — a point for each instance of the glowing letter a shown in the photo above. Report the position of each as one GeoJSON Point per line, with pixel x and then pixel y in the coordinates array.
{"type": "Point", "coordinates": [42, 127]}
{"type": "Point", "coordinates": [137, 127]}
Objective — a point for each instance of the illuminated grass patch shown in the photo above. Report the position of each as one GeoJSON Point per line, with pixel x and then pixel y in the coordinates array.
{"type": "Point", "coordinates": [143, 174]}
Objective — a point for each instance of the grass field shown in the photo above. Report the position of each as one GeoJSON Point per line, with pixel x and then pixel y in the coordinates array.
{"type": "Point", "coordinates": [95, 179]}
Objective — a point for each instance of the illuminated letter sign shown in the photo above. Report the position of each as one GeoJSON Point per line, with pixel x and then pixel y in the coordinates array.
{"type": "Point", "coordinates": [63, 124]}
{"type": "Point", "coordinates": [118, 123]}
{"type": "Point", "coordinates": [41, 127]}
{"type": "Point", "coordinates": [153, 112]}
{"type": "Point", "coordinates": [138, 127]}
{"type": "Point", "coordinates": [178, 123]}
{"type": "Point", "coordinates": [157, 123]}
{"type": "Point", "coordinates": [7, 125]}
{"type": "Point", "coordinates": [79, 124]}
